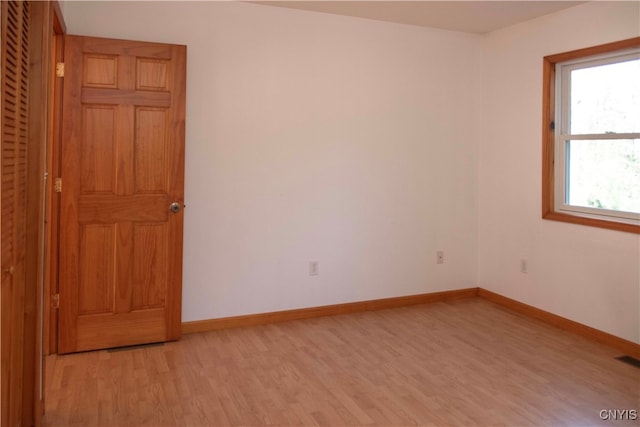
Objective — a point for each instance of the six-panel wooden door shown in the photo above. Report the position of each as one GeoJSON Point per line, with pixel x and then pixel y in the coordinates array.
{"type": "Point", "coordinates": [122, 169]}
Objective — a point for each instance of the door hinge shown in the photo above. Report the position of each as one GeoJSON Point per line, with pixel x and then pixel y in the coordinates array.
{"type": "Point", "coordinates": [55, 300]}
{"type": "Point", "coordinates": [57, 185]}
{"type": "Point", "coordinates": [60, 69]}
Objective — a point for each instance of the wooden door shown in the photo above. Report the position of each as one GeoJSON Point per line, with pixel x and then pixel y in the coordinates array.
{"type": "Point", "coordinates": [122, 168]}
{"type": "Point", "coordinates": [16, 340]}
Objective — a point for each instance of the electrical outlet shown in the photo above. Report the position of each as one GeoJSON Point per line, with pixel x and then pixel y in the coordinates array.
{"type": "Point", "coordinates": [440, 257]}
{"type": "Point", "coordinates": [523, 266]}
{"type": "Point", "coordinates": [313, 268]}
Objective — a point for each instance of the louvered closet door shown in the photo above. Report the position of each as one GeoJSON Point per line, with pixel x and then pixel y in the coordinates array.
{"type": "Point", "coordinates": [122, 172]}
{"type": "Point", "coordinates": [13, 188]}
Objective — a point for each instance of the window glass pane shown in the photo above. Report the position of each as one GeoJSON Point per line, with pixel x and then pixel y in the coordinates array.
{"type": "Point", "coordinates": [606, 98]}
{"type": "Point", "coordinates": [604, 174]}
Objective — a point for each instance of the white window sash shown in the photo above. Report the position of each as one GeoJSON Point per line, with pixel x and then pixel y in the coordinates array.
{"type": "Point", "coordinates": [562, 124]}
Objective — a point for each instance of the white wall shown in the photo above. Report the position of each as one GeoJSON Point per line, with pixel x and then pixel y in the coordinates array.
{"type": "Point", "coordinates": [315, 137]}
{"type": "Point", "coordinates": [586, 274]}
{"type": "Point", "coordinates": [359, 144]}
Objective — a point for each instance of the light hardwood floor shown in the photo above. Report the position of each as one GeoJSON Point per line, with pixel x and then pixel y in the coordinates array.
{"type": "Point", "coordinates": [465, 362]}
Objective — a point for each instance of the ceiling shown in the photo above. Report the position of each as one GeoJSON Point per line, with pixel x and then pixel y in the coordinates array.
{"type": "Point", "coordinates": [468, 16]}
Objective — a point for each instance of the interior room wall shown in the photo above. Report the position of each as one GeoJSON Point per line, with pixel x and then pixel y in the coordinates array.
{"type": "Point", "coordinates": [586, 274]}
{"type": "Point", "coordinates": [313, 137]}
{"type": "Point", "coordinates": [368, 146]}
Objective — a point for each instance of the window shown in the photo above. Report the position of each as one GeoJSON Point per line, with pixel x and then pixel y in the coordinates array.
{"type": "Point", "coordinates": [591, 136]}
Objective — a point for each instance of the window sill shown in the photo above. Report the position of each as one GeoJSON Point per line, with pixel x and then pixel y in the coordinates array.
{"type": "Point", "coordinates": [592, 222]}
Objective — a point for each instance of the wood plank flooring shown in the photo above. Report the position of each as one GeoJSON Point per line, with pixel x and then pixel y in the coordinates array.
{"type": "Point", "coordinates": [465, 362]}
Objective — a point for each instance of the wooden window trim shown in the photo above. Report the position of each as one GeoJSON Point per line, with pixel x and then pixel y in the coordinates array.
{"type": "Point", "coordinates": [548, 136]}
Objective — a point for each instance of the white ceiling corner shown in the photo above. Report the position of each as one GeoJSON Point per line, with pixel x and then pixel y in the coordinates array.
{"type": "Point", "coordinates": [468, 16]}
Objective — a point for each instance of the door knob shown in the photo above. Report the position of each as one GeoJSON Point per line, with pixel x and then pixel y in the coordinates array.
{"type": "Point", "coordinates": [174, 207]}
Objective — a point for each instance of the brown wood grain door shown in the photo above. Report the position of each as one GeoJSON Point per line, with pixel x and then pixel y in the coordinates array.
{"type": "Point", "coordinates": [122, 168]}
{"type": "Point", "coordinates": [15, 147]}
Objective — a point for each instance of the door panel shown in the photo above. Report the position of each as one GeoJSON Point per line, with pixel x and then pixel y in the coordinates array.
{"type": "Point", "coordinates": [17, 339]}
{"type": "Point", "coordinates": [122, 167]}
